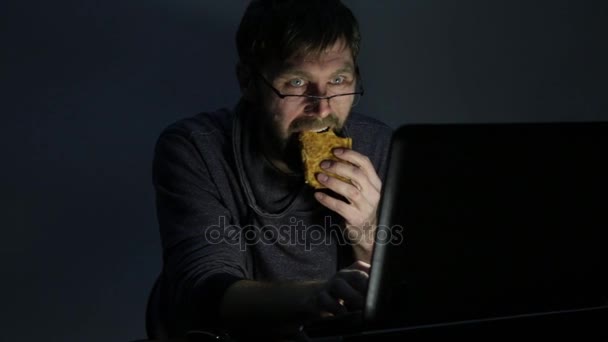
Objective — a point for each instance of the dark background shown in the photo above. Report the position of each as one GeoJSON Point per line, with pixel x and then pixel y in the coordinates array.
{"type": "Point", "coordinates": [87, 86]}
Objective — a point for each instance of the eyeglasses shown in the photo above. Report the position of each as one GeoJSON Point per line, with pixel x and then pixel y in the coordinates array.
{"type": "Point", "coordinates": [297, 97]}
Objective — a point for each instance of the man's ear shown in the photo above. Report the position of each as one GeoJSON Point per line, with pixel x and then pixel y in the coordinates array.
{"type": "Point", "coordinates": [246, 81]}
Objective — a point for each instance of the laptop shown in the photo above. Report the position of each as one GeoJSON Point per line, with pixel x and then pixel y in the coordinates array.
{"type": "Point", "coordinates": [489, 221]}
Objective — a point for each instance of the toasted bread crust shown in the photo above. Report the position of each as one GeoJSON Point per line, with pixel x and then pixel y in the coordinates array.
{"type": "Point", "coordinates": [317, 147]}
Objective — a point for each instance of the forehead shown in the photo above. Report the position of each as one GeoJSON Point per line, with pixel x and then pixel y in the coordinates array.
{"type": "Point", "coordinates": [336, 56]}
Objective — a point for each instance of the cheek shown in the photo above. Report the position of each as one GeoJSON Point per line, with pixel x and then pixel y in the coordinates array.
{"type": "Point", "coordinates": [282, 116]}
{"type": "Point", "coordinates": [286, 113]}
{"type": "Point", "coordinates": [342, 110]}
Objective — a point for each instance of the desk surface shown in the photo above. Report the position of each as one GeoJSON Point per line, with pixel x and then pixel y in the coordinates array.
{"type": "Point", "coordinates": [575, 325]}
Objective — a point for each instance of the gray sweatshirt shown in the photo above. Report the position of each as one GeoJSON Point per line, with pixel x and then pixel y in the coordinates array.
{"type": "Point", "coordinates": [226, 214]}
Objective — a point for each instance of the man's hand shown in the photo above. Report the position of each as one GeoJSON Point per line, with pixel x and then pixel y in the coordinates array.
{"type": "Point", "coordinates": [254, 307]}
{"type": "Point", "coordinates": [344, 292]}
{"type": "Point", "coordinates": [363, 196]}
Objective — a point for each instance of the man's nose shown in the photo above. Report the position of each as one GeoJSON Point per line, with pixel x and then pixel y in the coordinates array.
{"type": "Point", "coordinates": [320, 107]}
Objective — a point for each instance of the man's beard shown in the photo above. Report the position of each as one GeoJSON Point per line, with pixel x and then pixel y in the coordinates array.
{"type": "Point", "coordinates": [307, 123]}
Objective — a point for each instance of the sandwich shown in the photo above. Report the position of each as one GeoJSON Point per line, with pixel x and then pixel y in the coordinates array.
{"type": "Point", "coordinates": [317, 147]}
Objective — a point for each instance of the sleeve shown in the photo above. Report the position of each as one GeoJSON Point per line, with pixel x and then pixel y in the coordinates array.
{"type": "Point", "coordinates": [201, 259]}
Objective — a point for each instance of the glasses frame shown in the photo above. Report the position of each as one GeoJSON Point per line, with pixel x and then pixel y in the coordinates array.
{"type": "Point", "coordinates": [360, 92]}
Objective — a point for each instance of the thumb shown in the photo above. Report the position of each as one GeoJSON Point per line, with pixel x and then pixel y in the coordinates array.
{"type": "Point", "coordinates": [361, 266]}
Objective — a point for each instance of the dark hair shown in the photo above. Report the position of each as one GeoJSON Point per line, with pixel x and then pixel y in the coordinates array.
{"type": "Point", "coordinates": [274, 30]}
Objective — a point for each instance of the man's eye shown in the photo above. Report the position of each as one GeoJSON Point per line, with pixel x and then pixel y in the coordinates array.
{"type": "Point", "coordinates": [338, 80]}
{"type": "Point", "coordinates": [296, 82]}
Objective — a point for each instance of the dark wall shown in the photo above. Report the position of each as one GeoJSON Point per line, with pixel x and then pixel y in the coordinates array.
{"type": "Point", "coordinates": [480, 61]}
{"type": "Point", "coordinates": [87, 86]}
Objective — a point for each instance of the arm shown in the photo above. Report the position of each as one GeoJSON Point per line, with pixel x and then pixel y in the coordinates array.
{"type": "Point", "coordinates": [265, 305]}
{"type": "Point", "coordinates": [363, 195]}
{"type": "Point", "coordinates": [197, 269]}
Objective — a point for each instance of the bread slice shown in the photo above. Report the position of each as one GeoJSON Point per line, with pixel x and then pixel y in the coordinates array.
{"type": "Point", "coordinates": [317, 147]}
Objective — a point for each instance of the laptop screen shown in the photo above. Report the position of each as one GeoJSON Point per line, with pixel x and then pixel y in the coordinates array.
{"type": "Point", "coordinates": [489, 220]}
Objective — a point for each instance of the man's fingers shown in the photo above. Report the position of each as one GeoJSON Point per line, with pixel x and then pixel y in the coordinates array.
{"type": "Point", "coordinates": [330, 304]}
{"type": "Point", "coordinates": [362, 162]}
{"type": "Point", "coordinates": [345, 291]}
{"type": "Point", "coordinates": [357, 279]}
{"type": "Point", "coordinates": [340, 207]}
{"type": "Point", "coordinates": [361, 266]}
{"type": "Point", "coordinates": [340, 289]}
{"type": "Point", "coordinates": [357, 176]}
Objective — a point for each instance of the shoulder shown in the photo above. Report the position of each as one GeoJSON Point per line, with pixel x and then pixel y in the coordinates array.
{"type": "Point", "coordinates": [372, 138]}
{"type": "Point", "coordinates": [359, 120]}
{"type": "Point", "coordinates": [197, 138]}
{"type": "Point", "coordinates": [367, 131]}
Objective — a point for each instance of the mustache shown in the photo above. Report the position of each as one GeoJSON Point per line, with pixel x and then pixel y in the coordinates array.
{"type": "Point", "coordinates": [306, 123]}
